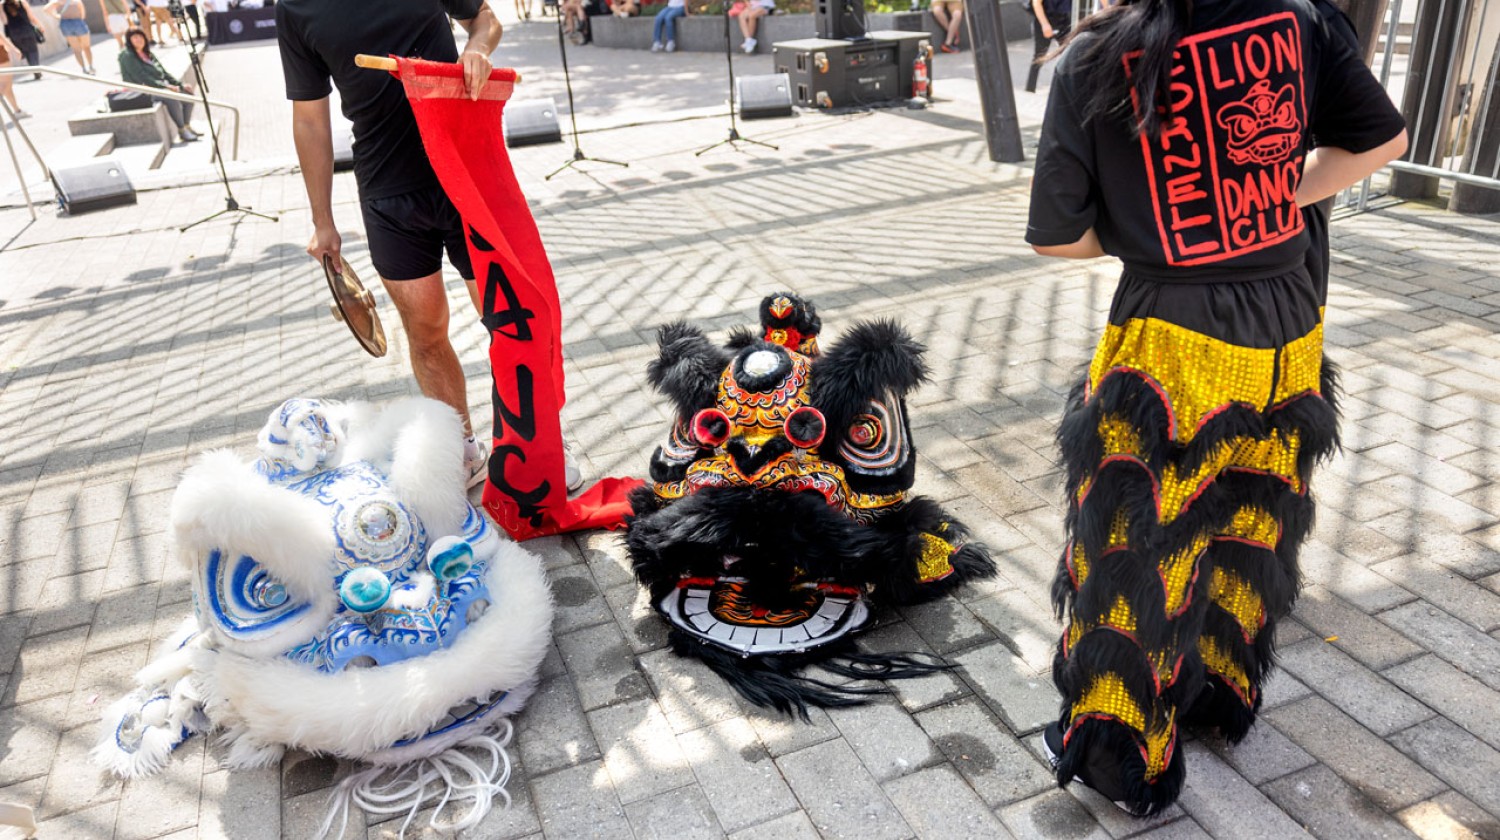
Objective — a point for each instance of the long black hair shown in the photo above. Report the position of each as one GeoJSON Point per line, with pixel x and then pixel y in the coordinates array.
{"type": "Point", "coordinates": [1151, 27]}
{"type": "Point", "coordinates": [129, 45]}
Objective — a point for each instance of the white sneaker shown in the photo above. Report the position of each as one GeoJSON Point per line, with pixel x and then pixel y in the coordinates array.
{"type": "Point", "coordinates": [749, 45]}
{"type": "Point", "coordinates": [656, 46]}
{"type": "Point", "coordinates": [671, 46]}
{"type": "Point", "coordinates": [477, 469]}
{"type": "Point", "coordinates": [572, 475]}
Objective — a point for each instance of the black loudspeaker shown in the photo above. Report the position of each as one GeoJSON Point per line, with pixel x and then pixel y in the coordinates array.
{"type": "Point", "coordinates": [92, 186]}
{"type": "Point", "coordinates": [764, 97]}
{"type": "Point", "coordinates": [839, 19]}
{"type": "Point", "coordinates": [531, 121]}
{"type": "Point", "coordinates": [343, 147]}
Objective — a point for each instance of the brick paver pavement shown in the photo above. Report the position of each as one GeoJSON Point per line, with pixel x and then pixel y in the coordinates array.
{"type": "Point", "coordinates": [126, 348]}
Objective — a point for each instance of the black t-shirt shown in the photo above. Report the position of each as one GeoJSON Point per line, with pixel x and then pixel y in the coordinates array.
{"type": "Point", "coordinates": [319, 39]}
{"type": "Point", "coordinates": [1212, 198]}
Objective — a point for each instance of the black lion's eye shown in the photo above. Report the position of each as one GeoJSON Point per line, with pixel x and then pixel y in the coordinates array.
{"type": "Point", "coordinates": [711, 428]}
{"type": "Point", "coordinates": [805, 427]}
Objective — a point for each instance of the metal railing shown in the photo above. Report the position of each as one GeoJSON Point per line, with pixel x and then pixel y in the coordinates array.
{"type": "Point", "coordinates": [13, 70]}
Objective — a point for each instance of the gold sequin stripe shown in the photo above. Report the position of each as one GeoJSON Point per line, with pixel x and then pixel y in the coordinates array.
{"type": "Point", "coordinates": [1107, 699]}
{"type": "Point", "coordinates": [1174, 492]}
{"type": "Point", "coordinates": [1197, 376]}
{"type": "Point", "coordinates": [1222, 663]}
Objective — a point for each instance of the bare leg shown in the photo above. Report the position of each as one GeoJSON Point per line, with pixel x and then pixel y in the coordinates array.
{"type": "Point", "coordinates": [953, 28]}
{"type": "Point", "coordinates": [423, 307]}
{"type": "Point", "coordinates": [76, 45]}
{"type": "Point", "coordinates": [88, 52]}
{"type": "Point", "coordinates": [940, 15]}
{"type": "Point", "coordinates": [8, 90]}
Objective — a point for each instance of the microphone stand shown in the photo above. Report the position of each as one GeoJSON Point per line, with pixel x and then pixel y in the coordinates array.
{"type": "Point", "coordinates": [230, 204]}
{"type": "Point", "coordinates": [734, 138]}
{"type": "Point", "coordinates": [578, 155]}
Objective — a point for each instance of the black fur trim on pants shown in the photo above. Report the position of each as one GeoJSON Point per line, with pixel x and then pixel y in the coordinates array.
{"type": "Point", "coordinates": [1176, 624]}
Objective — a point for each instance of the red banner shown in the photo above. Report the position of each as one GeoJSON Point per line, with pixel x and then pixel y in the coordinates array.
{"type": "Point", "coordinates": [526, 492]}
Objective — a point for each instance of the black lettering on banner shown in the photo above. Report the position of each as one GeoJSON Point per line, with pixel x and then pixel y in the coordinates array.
{"type": "Point", "coordinates": [521, 422]}
{"type": "Point", "coordinates": [479, 242]}
{"type": "Point", "coordinates": [528, 502]}
{"type": "Point", "coordinates": [514, 320]}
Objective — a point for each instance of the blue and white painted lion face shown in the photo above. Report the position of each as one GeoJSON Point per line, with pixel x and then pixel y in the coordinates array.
{"type": "Point", "coordinates": [354, 601]}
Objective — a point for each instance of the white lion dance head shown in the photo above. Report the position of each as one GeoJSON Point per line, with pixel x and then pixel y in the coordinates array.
{"type": "Point", "coordinates": [348, 601]}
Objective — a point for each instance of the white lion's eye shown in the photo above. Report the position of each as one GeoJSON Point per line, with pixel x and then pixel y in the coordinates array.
{"type": "Point", "coordinates": [361, 662]}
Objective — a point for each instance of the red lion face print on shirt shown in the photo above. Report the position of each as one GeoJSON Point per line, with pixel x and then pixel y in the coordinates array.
{"type": "Point", "coordinates": [1224, 170]}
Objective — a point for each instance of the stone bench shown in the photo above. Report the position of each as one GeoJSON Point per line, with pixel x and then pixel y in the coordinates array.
{"type": "Point", "coordinates": [129, 128]}
{"type": "Point", "coordinates": [705, 33]}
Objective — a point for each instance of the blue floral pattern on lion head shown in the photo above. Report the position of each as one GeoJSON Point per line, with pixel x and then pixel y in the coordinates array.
{"type": "Point", "coordinates": [347, 598]}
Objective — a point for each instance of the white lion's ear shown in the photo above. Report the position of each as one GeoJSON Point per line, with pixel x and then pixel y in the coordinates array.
{"type": "Point", "coordinates": [223, 504]}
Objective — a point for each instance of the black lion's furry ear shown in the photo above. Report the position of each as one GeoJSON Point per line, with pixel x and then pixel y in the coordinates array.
{"type": "Point", "coordinates": [740, 338]}
{"type": "Point", "coordinates": [688, 367]}
{"type": "Point", "coordinates": [873, 358]}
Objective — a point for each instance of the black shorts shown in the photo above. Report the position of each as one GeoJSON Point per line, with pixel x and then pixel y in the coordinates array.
{"type": "Point", "coordinates": [409, 232]}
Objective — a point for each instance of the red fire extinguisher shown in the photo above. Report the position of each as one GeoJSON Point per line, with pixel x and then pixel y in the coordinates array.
{"type": "Point", "coordinates": [919, 81]}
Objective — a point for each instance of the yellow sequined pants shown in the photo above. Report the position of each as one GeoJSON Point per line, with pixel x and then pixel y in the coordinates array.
{"type": "Point", "coordinates": [1188, 500]}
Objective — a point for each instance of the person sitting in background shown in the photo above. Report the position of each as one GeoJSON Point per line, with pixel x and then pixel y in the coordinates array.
{"type": "Point", "coordinates": [575, 22]}
{"type": "Point", "coordinates": [139, 66]}
{"type": "Point", "coordinates": [21, 27]}
{"type": "Point", "coordinates": [949, 15]}
{"type": "Point", "coordinates": [750, 17]}
{"type": "Point", "coordinates": [666, 26]}
{"type": "Point", "coordinates": [624, 8]}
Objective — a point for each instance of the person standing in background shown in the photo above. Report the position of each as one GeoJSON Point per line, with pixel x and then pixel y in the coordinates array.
{"type": "Point", "coordinates": [116, 19]}
{"type": "Point", "coordinates": [21, 27]}
{"type": "Point", "coordinates": [71, 20]}
{"type": "Point", "coordinates": [1051, 20]}
{"type": "Point", "coordinates": [8, 83]}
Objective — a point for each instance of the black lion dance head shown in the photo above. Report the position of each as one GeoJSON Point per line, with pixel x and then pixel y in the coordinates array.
{"type": "Point", "coordinates": [778, 510]}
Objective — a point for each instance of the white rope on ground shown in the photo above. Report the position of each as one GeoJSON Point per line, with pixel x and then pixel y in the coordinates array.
{"type": "Point", "coordinates": [404, 788]}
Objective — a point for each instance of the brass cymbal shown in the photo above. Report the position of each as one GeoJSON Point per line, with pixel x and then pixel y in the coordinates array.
{"type": "Point", "coordinates": [354, 305]}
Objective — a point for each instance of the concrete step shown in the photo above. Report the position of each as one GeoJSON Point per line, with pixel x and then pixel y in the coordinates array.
{"type": "Point", "coordinates": [80, 149]}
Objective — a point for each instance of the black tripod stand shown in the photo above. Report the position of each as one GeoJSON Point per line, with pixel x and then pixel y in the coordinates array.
{"type": "Point", "coordinates": [734, 138]}
{"type": "Point", "coordinates": [578, 155]}
{"type": "Point", "coordinates": [179, 14]}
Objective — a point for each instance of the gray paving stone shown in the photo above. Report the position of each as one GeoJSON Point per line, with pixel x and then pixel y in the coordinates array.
{"type": "Point", "coordinates": [1469, 650]}
{"type": "Point", "coordinates": [999, 768]}
{"type": "Point", "coordinates": [1365, 761]}
{"type": "Point", "coordinates": [1452, 693]}
{"type": "Point", "coordinates": [1350, 581]}
{"type": "Point", "coordinates": [302, 816]}
{"type": "Point", "coordinates": [945, 625]}
{"type": "Point", "coordinates": [579, 802]}
{"type": "Point", "coordinates": [1183, 829]}
{"type": "Point", "coordinates": [601, 666]}
{"type": "Point", "coordinates": [1051, 814]}
{"type": "Point", "coordinates": [918, 692]}
{"type": "Point", "coordinates": [1377, 704]}
{"type": "Point", "coordinates": [30, 733]}
{"type": "Point", "coordinates": [886, 739]}
{"type": "Point", "coordinates": [1456, 757]}
{"type": "Point", "coordinates": [1450, 816]}
{"type": "Point", "coordinates": [1331, 809]}
{"type": "Point", "coordinates": [644, 629]}
{"type": "Point", "coordinates": [640, 751]}
{"type": "Point", "coordinates": [96, 823]}
{"type": "Point", "coordinates": [1023, 623]}
{"type": "Point", "coordinates": [736, 774]}
{"type": "Point", "coordinates": [782, 734]}
{"type": "Point", "coordinates": [1372, 643]}
{"type": "Point", "coordinates": [552, 731]}
{"type": "Point", "coordinates": [793, 826]}
{"type": "Point", "coordinates": [1445, 589]}
{"type": "Point", "coordinates": [166, 802]}
{"type": "Point", "coordinates": [74, 782]}
{"type": "Point", "coordinates": [243, 805]}
{"type": "Point", "coordinates": [690, 694]}
{"type": "Point", "coordinates": [1227, 806]}
{"type": "Point", "coordinates": [937, 803]}
{"type": "Point", "coordinates": [1025, 700]}
{"type": "Point", "coordinates": [577, 601]}
{"type": "Point", "coordinates": [681, 813]}
{"type": "Point", "coordinates": [839, 795]}
{"type": "Point", "coordinates": [1264, 753]}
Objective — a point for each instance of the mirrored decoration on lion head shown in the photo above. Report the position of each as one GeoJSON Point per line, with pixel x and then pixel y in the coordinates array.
{"type": "Point", "coordinates": [779, 508]}
{"type": "Point", "coordinates": [348, 601]}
